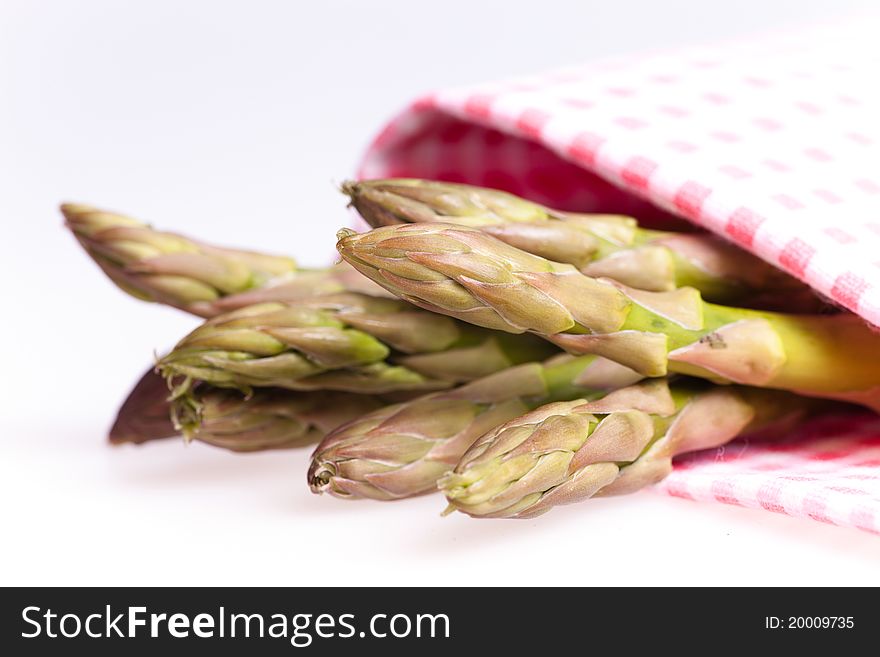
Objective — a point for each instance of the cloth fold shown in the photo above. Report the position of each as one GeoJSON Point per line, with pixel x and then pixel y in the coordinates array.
{"type": "Point", "coordinates": [773, 143]}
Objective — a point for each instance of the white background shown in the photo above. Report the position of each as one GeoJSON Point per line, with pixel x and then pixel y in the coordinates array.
{"type": "Point", "coordinates": [232, 121]}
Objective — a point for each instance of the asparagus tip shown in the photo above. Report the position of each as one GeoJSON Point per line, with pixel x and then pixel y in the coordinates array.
{"type": "Point", "coordinates": [349, 188]}
{"type": "Point", "coordinates": [343, 233]}
{"type": "Point", "coordinates": [319, 477]}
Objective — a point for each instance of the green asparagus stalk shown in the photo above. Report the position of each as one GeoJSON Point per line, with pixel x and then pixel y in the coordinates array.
{"type": "Point", "coordinates": [569, 451]}
{"type": "Point", "coordinates": [202, 279]}
{"type": "Point", "coordinates": [349, 342]}
{"type": "Point", "coordinates": [268, 419]}
{"type": "Point", "coordinates": [401, 450]}
{"type": "Point", "coordinates": [597, 244]}
{"type": "Point", "coordinates": [468, 274]}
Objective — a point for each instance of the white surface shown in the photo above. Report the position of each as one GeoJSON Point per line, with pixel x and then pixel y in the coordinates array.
{"type": "Point", "coordinates": [231, 121]}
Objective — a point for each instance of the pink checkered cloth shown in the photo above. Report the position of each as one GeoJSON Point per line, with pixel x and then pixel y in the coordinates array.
{"type": "Point", "coordinates": [773, 143]}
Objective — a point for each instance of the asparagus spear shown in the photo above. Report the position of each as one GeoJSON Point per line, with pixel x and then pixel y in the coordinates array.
{"type": "Point", "coordinates": [570, 451]}
{"type": "Point", "coordinates": [598, 245]}
{"type": "Point", "coordinates": [201, 279]}
{"type": "Point", "coordinates": [268, 419]}
{"type": "Point", "coordinates": [347, 341]}
{"type": "Point", "coordinates": [401, 450]}
{"type": "Point", "coordinates": [473, 276]}
{"type": "Point", "coordinates": [166, 267]}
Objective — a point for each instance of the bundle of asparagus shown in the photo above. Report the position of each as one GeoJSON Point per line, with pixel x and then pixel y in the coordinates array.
{"type": "Point", "coordinates": [175, 270]}
{"type": "Point", "coordinates": [462, 382]}
{"type": "Point", "coordinates": [468, 274]}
